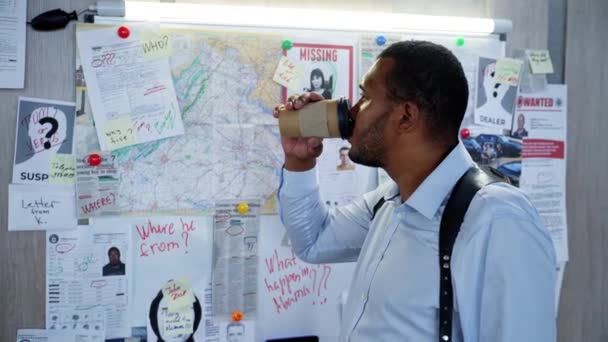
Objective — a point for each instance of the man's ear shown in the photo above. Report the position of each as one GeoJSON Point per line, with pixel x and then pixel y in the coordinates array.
{"type": "Point", "coordinates": [408, 116]}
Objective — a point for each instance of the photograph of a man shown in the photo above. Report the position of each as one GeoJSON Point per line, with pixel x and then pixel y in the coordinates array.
{"type": "Point", "coordinates": [345, 163]}
{"type": "Point", "coordinates": [235, 332]}
{"type": "Point", "coordinates": [114, 266]}
{"type": "Point", "coordinates": [521, 131]}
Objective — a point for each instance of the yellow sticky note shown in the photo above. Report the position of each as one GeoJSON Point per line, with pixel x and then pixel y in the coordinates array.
{"type": "Point", "coordinates": [156, 45]}
{"type": "Point", "coordinates": [178, 295]}
{"type": "Point", "coordinates": [119, 133]}
{"type": "Point", "coordinates": [62, 168]}
{"type": "Point", "coordinates": [289, 74]}
{"type": "Point", "coordinates": [507, 71]}
{"type": "Point", "coordinates": [540, 61]}
{"type": "Point", "coordinates": [178, 323]}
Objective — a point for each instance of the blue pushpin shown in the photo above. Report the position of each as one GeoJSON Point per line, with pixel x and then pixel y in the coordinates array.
{"type": "Point", "coordinates": [380, 40]}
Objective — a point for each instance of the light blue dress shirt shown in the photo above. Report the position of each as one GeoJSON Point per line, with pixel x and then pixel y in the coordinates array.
{"type": "Point", "coordinates": [503, 262]}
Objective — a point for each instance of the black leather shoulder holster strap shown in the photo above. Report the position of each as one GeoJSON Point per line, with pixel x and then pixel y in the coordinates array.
{"type": "Point", "coordinates": [458, 203]}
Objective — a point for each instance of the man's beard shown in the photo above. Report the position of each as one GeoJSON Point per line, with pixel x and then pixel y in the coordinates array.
{"type": "Point", "coordinates": [370, 151]}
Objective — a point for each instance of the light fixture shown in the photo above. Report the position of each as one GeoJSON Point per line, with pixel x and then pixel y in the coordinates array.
{"type": "Point", "coordinates": [296, 18]}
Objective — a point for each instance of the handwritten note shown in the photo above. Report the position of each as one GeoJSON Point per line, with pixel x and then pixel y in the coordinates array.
{"type": "Point", "coordinates": [178, 323]}
{"type": "Point", "coordinates": [289, 74]}
{"type": "Point", "coordinates": [178, 295]}
{"type": "Point", "coordinates": [119, 133]}
{"type": "Point", "coordinates": [41, 207]}
{"type": "Point", "coordinates": [161, 237]}
{"type": "Point", "coordinates": [507, 71]}
{"type": "Point", "coordinates": [290, 281]}
{"type": "Point", "coordinates": [540, 61]}
{"type": "Point", "coordinates": [129, 78]}
{"type": "Point", "coordinates": [62, 169]}
{"type": "Point", "coordinates": [155, 44]}
{"type": "Point", "coordinates": [97, 186]}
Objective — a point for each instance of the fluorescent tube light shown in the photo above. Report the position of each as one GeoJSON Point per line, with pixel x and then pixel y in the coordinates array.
{"type": "Point", "coordinates": [295, 18]}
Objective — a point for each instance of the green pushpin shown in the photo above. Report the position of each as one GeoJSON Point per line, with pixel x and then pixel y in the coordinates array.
{"type": "Point", "coordinates": [286, 44]}
{"type": "Point", "coordinates": [460, 41]}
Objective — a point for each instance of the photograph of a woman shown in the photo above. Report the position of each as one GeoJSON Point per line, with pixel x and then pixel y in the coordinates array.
{"type": "Point", "coordinates": [319, 85]}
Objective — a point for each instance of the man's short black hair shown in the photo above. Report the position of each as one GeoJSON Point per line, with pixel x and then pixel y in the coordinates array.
{"type": "Point", "coordinates": [432, 77]}
{"type": "Point", "coordinates": [113, 249]}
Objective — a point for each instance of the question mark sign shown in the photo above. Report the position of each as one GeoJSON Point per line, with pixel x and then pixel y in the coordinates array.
{"type": "Point", "coordinates": [166, 38]}
{"type": "Point", "coordinates": [185, 238]}
{"type": "Point", "coordinates": [49, 134]}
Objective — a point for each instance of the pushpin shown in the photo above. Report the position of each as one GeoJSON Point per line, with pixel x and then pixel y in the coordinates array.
{"type": "Point", "coordinates": [242, 208]}
{"type": "Point", "coordinates": [123, 32]}
{"type": "Point", "coordinates": [465, 133]}
{"type": "Point", "coordinates": [460, 41]}
{"type": "Point", "coordinates": [380, 40]}
{"type": "Point", "coordinates": [237, 315]}
{"type": "Point", "coordinates": [94, 159]}
{"type": "Point", "coordinates": [286, 44]}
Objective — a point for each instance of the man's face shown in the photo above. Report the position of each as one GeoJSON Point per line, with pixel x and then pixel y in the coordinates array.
{"type": "Point", "coordinates": [235, 333]}
{"type": "Point", "coordinates": [344, 156]}
{"type": "Point", "coordinates": [114, 257]}
{"type": "Point", "coordinates": [371, 112]}
{"type": "Point", "coordinates": [521, 121]}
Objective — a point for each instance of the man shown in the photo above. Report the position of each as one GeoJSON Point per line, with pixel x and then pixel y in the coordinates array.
{"type": "Point", "coordinates": [520, 132]}
{"type": "Point", "coordinates": [345, 163]}
{"type": "Point", "coordinates": [503, 262]}
{"type": "Point", "coordinates": [235, 332]}
{"type": "Point", "coordinates": [115, 266]}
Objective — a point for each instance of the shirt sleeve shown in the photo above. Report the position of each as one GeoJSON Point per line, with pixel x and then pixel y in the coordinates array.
{"type": "Point", "coordinates": [518, 293]}
{"type": "Point", "coordinates": [319, 234]}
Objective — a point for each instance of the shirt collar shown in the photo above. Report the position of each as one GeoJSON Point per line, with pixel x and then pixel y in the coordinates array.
{"type": "Point", "coordinates": [431, 193]}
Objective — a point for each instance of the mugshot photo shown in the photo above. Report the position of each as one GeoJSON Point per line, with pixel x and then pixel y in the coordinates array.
{"type": "Point", "coordinates": [115, 266]}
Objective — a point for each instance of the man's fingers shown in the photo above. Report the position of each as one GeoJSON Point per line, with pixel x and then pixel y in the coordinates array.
{"type": "Point", "coordinates": [314, 142]}
{"type": "Point", "coordinates": [277, 109]}
{"type": "Point", "coordinates": [297, 101]}
{"type": "Point", "coordinates": [315, 151]}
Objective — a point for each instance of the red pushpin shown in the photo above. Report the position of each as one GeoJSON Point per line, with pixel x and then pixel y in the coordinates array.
{"type": "Point", "coordinates": [237, 315]}
{"type": "Point", "coordinates": [123, 32]}
{"type": "Point", "coordinates": [94, 159]}
{"type": "Point", "coordinates": [465, 133]}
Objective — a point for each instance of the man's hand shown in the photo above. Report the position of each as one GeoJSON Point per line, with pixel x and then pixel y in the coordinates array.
{"type": "Point", "coordinates": [300, 153]}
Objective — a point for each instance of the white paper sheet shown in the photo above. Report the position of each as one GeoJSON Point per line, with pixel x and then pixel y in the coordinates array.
{"type": "Point", "coordinates": [495, 101]}
{"type": "Point", "coordinates": [132, 97]}
{"type": "Point", "coordinates": [97, 186]}
{"type": "Point", "coordinates": [235, 258]}
{"type": "Point", "coordinates": [541, 120]}
{"type": "Point", "coordinates": [296, 298]}
{"type": "Point", "coordinates": [12, 43]}
{"type": "Point", "coordinates": [370, 49]}
{"type": "Point", "coordinates": [328, 68]}
{"type": "Point", "coordinates": [88, 273]}
{"type": "Point", "coordinates": [44, 142]}
{"type": "Point", "coordinates": [41, 335]}
{"type": "Point", "coordinates": [41, 207]}
{"type": "Point", "coordinates": [341, 180]}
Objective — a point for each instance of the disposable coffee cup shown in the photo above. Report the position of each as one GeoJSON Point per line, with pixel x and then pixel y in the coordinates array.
{"type": "Point", "coordinates": [323, 119]}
